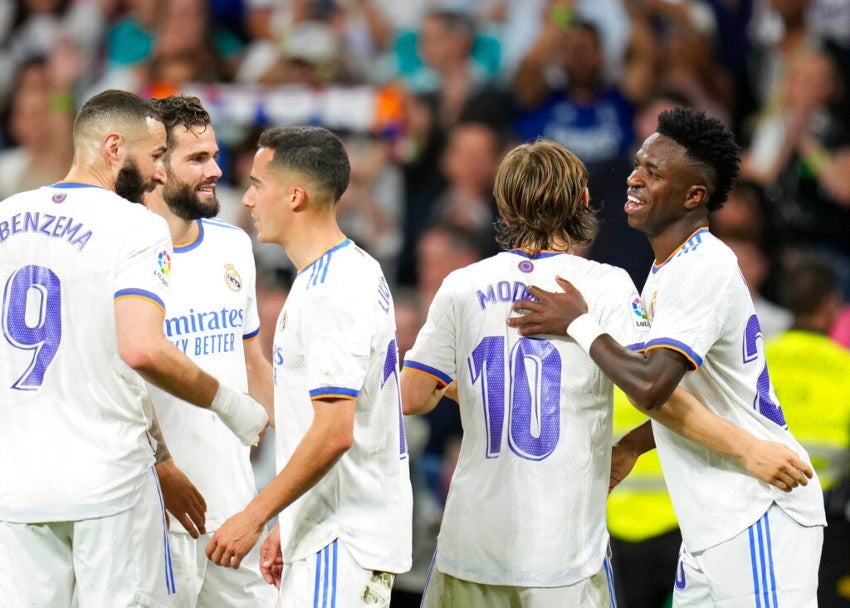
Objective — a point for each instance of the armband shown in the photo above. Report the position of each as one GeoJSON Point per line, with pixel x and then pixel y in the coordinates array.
{"type": "Point", "coordinates": [584, 330]}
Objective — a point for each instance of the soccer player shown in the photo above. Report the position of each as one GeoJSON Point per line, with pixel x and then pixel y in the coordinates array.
{"type": "Point", "coordinates": [211, 315]}
{"type": "Point", "coordinates": [343, 488]}
{"type": "Point", "coordinates": [525, 515]}
{"type": "Point", "coordinates": [745, 543]}
{"type": "Point", "coordinates": [524, 522]}
{"type": "Point", "coordinates": [84, 274]}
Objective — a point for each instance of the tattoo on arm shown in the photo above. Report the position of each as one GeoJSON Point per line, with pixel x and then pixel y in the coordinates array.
{"type": "Point", "coordinates": [162, 454]}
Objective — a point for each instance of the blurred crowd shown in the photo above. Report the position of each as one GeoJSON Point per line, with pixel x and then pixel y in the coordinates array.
{"type": "Point", "coordinates": [429, 94]}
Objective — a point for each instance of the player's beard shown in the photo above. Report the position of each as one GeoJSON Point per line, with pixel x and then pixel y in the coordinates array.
{"type": "Point", "coordinates": [130, 184]}
{"type": "Point", "coordinates": [182, 199]}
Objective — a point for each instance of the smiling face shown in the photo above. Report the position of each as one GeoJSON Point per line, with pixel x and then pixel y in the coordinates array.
{"type": "Point", "coordinates": [665, 189]}
{"type": "Point", "coordinates": [267, 198]}
{"type": "Point", "coordinates": [192, 173]}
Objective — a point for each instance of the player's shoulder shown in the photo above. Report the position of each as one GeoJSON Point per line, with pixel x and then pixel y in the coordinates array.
{"type": "Point", "coordinates": [593, 276]}
{"type": "Point", "coordinates": [702, 255]}
{"type": "Point", "coordinates": [596, 269]}
{"type": "Point", "coordinates": [223, 231]}
{"type": "Point", "coordinates": [705, 249]}
{"type": "Point", "coordinates": [343, 266]}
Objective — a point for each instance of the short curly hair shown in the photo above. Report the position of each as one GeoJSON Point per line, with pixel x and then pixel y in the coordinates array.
{"type": "Point", "coordinates": [708, 142]}
{"type": "Point", "coordinates": [181, 110]}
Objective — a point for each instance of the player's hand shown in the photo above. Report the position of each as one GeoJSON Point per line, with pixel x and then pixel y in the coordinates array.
{"type": "Point", "coordinates": [234, 539]}
{"type": "Point", "coordinates": [548, 312]}
{"type": "Point", "coordinates": [622, 463]}
{"type": "Point", "coordinates": [776, 464]}
{"type": "Point", "coordinates": [271, 558]}
{"type": "Point", "coordinates": [182, 499]}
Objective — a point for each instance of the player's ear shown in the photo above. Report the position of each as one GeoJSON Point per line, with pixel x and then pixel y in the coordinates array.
{"type": "Point", "coordinates": [696, 196]}
{"type": "Point", "coordinates": [297, 198]}
{"type": "Point", "coordinates": [112, 147]}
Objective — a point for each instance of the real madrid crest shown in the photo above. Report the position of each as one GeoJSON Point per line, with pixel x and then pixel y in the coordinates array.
{"type": "Point", "coordinates": [282, 321]}
{"type": "Point", "coordinates": [232, 278]}
{"type": "Point", "coordinates": [650, 310]}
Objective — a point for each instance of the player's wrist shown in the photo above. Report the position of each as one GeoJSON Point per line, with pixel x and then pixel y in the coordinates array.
{"type": "Point", "coordinates": [241, 414]}
{"type": "Point", "coordinates": [584, 329]}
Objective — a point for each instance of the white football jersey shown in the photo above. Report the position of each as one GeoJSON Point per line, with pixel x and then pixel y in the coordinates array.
{"type": "Point", "coordinates": [73, 428]}
{"type": "Point", "coordinates": [699, 305]}
{"type": "Point", "coordinates": [335, 338]}
{"type": "Point", "coordinates": [210, 310]}
{"type": "Point", "coordinates": [526, 506]}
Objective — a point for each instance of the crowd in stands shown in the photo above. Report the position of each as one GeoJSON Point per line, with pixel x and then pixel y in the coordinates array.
{"type": "Point", "coordinates": [428, 95]}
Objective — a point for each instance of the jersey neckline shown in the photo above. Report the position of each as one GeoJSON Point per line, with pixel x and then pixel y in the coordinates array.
{"type": "Point", "coordinates": [657, 265]}
{"type": "Point", "coordinates": [546, 253]}
{"type": "Point", "coordinates": [62, 184]}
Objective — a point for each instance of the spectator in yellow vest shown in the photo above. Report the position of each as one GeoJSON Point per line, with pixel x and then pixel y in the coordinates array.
{"type": "Point", "coordinates": [811, 376]}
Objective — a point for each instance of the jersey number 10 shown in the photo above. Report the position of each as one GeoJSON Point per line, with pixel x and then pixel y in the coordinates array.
{"type": "Point", "coordinates": [533, 399]}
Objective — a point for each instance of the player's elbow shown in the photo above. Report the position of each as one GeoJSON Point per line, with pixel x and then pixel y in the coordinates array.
{"type": "Point", "coordinates": [339, 443]}
{"type": "Point", "coordinates": [646, 396]}
{"type": "Point", "coordinates": [408, 407]}
{"type": "Point", "coordinates": [139, 357]}
{"type": "Point", "coordinates": [419, 393]}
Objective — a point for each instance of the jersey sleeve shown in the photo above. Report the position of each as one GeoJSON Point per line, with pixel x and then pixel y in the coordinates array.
{"type": "Point", "coordinates": [434, 352]}
{"type": "Point", "coordinates": [689, 310]}
{"type": "Point", "coordinates": [337, 337]}
{"type": "Point", "coordinates": [624, 318]}
{"type": "Point", "coordinates": [145, 261]}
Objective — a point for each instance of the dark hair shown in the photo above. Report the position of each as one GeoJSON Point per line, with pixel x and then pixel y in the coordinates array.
{"type": "Point", "coordinates": [181, 110]}
{"type": "Point", "coordinates": [708, 142]}
{"type": "Point", "coordinates": [456, 21]}
{"type": "Point", "coordinates": [808, 282]}
{"type": "Point", "coordinates": [539, 191]}
{"type": "Point", "coordinates": [313, 151]}
{"type": "Point", "coordinates": [113, 108]}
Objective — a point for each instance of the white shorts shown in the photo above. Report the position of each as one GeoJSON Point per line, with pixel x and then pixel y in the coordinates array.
{"type": "Point", "coordinates": [202, 584]}
{"type": "Point", "coordinates": [120, 561]}
{"type": "Point", "coordinates": [774, 563]}
{"type": "Point", "coordinates": [332, 578]}
{"type": "Point", "coordinates": [443, 590]}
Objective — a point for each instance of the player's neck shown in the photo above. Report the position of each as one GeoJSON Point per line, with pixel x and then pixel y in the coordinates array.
{"type": "Point", "coordinates": [555, 244]}
{"type": "Point", "coordinates": [667, 241]}
{"type": "Point", "coordinates": [183, 231]}
{"type": "Point", "coordinates": [306, 245]}
{"type": "Point", "coordinates": [90, 175]}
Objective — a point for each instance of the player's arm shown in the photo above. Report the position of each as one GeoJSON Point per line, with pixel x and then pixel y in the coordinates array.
{"type": "Point", "coordinates": [772, 462]}
{"type": "Point", "coordinates": [260, 376]}
{"type": "Point", "coordinates": [420, 392]}
{"type": "Point", "coordinates": [626, 451]}
{"type": "Point", "coordinates": [649, 380]}
{"type": "Point", "coordinates": [330, 435]}
{"type": "Point", "coordinates": [143, 346]}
